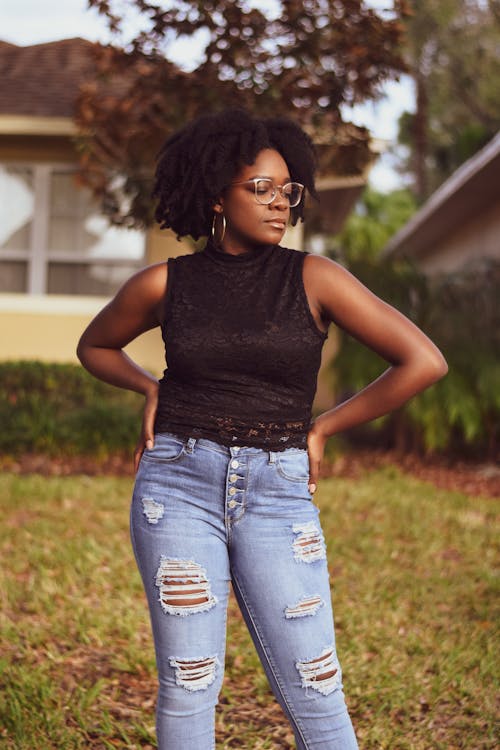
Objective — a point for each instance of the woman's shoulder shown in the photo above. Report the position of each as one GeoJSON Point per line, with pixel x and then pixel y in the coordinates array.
{"type": "Point", "coordinates": [148, 284]}
{"type": "Point", "coordinates": [155, 275]}
{"type": "Point", "coordinates": [314, 264]}
{"type": "Point", "coordinates": [326, 281]}
{"type": "Point", "coordinates": [318, 265]}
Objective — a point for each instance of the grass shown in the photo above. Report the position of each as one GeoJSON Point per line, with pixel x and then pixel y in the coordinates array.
{"type": "Point", "coordinates": [412, 571]}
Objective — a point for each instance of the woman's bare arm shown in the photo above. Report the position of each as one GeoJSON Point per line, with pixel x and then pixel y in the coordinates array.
{"type": "Point", "coordinates": [136, 308]}
{"type": "Point", "coordinates": [415, 362]}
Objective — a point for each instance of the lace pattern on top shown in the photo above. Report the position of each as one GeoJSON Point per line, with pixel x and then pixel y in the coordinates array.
{"type": "Point", "coordinates": [242, 348]}
{"type": "Point", "coordinates": [272, 435]}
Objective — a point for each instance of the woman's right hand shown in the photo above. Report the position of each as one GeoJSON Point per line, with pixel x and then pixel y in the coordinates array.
{"type": "Point", "coordinates": [146, 438]}
{"type": "Point", "coordinates": [135, 309]}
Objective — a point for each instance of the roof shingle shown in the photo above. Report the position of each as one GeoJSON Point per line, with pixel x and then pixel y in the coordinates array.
{"type": "Point", "coordinates": [43, 80]}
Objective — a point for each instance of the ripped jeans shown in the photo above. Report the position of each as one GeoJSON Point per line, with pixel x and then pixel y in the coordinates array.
{"type": "Point", "coordinates": [203, 515]}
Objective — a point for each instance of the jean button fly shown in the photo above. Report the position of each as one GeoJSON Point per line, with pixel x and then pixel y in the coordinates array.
{"type": "Point", "coordinates": [232, 503]}
{"type": "Point", "coordinates": [234, 464]}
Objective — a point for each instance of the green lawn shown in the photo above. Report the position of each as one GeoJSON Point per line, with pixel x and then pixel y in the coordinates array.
{"type": "Point", "coordinates": [412, 571]}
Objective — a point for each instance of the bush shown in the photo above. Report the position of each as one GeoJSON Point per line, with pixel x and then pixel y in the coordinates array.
{"type": "Point", "coordinates": [460, 313]}
{"type": "Point", "coordinates": [62, 409]}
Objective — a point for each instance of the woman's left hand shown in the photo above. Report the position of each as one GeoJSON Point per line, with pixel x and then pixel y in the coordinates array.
{"type": "Point", "coordinates": [316, 442]}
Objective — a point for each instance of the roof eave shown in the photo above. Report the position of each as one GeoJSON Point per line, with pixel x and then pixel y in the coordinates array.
{"type": "Point", "coordinates": [43, 126]}
{"type": "Point", "coordinates": [458, 196]}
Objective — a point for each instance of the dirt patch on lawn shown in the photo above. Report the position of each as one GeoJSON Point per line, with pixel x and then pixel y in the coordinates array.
{"type": "Point", "coordinates": [473, 478]}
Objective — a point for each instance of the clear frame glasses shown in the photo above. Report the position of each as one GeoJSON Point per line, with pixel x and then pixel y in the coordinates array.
{"type": "Point", "coordinates": [266, 191]}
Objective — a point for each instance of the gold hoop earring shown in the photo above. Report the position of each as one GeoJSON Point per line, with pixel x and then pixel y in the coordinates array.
{"type": "Point", "coordinates": [214, 228]}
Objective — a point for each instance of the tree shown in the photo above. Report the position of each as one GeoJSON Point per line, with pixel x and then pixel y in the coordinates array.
{"type": "Point", "coordinates": [370, 226]}
{"type": "Point", "coordinates": [307, 61]}
{"type": "Point", "coordinates": [452, 53]}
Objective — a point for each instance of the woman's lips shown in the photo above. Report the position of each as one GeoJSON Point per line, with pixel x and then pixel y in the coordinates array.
{"type": "Point", "coordinates": [277, 224]}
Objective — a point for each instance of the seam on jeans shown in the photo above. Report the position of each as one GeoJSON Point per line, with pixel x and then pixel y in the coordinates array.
{"type": "Point", "coordinates": [201, 445]}
{"type": "Point", "coordinates": [288, 478]}
{"type": "Point", "coordinates": [172, 459]}
{"type": "Point", "coordinates": [283, 473]}
{"type": "Point", "coordinates": [132, 532]}
{"type": "Point", "coordinates": [295, 722]}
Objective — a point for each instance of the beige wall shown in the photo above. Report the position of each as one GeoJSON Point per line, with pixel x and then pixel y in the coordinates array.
{"type": "Point", "coordinates": [162, 244]}
{"type": "Point", "coordinates": [48, 328]}
{"type": "Point", "coordinates": [478, 238]}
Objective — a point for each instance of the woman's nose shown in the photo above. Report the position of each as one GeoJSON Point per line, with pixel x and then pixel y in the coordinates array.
{"type": "Point", "coordinates": [279, 201]}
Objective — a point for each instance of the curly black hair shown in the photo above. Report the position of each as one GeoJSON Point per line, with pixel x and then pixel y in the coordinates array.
{"type": "Point", "coordinates": [197, 162]}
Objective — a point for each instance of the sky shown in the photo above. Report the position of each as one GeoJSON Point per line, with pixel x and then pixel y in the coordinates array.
{"type": "Point", "coordinates": [27, 22]}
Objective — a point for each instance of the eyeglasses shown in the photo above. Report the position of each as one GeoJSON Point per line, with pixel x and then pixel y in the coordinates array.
{"type": "Point", "coordinates": [266, 190]}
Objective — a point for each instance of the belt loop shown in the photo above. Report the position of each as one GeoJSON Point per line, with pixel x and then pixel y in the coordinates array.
{"type": "Point", "coordinates": [272, 457]}
{"type": "Point", "coordinates": [190, 444]}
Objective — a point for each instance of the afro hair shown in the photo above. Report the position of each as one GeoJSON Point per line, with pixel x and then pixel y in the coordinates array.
{"type": "Point", "coordinates": [197, 162]}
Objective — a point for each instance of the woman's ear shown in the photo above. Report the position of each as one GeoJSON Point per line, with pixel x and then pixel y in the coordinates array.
{"type": "Point", "coordinates": [218, 207]}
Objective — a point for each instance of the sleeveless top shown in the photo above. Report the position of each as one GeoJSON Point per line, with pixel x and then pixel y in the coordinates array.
{"type": "Point", "coordinates": [242, 349]}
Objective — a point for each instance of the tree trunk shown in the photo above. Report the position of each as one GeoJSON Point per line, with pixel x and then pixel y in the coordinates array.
{"type": "Point", "coordinates": [420, 138]}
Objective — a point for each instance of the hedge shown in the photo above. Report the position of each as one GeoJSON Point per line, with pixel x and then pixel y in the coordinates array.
{"type": "Point", "coordinates": [61, 409]}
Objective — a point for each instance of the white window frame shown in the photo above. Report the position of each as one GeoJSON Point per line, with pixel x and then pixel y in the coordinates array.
{"type": "Point", "coordinates": [38, 256]}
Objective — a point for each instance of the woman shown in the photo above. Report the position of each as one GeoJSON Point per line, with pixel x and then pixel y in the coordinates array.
{"type": "Point", "coordinates": [228, 458]}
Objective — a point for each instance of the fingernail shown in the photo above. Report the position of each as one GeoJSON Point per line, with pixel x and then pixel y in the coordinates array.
{"type": "Point", "coordinates": [149, 444]}
{"type": "Point", "coordinates": [312, 489]}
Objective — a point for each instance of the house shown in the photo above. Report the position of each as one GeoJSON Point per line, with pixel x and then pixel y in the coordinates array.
{"type": "Point", "coordinates": [460, 223]}
{"type": "Point", "coordinates": [60, 260]}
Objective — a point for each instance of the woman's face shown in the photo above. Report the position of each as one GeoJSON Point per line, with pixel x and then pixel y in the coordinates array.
{"type": "Point", "coordinates": [249, 223]}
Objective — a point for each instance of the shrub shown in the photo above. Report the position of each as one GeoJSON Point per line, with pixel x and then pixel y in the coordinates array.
{"type": "Point", "coordinates": [62, 409]}
{"type": "Point", "coordinates": [459, 312]}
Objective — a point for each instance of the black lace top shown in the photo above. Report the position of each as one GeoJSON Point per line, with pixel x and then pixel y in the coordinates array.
{"type": "Point", "coordinates": [242, 348]}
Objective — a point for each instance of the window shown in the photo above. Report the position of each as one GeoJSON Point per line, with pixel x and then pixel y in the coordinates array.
{"type": "Point", "coordinates": [53, 240]}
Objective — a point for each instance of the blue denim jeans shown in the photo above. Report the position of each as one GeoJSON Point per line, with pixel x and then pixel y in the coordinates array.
{"type": "Point", "coordinates": [204, 515]}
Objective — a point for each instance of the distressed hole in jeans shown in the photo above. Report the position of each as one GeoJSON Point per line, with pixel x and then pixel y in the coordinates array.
{"type": "Point", "coordinates": [307, 605]}
{"type": "Point", "coordinates": [152, 509]}
{"type": "Point", "coordinates": [184, 587]}
{"type": "Point", "coordinates": [322, 673]}
{"type": "Point", "coordinates": [194, 674]}
{"type": "Point", "coordinates": [308, 545]}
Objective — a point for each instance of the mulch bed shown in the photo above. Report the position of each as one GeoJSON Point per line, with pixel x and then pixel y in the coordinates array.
{"type": "Point", "coordinates": [473, 478]}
